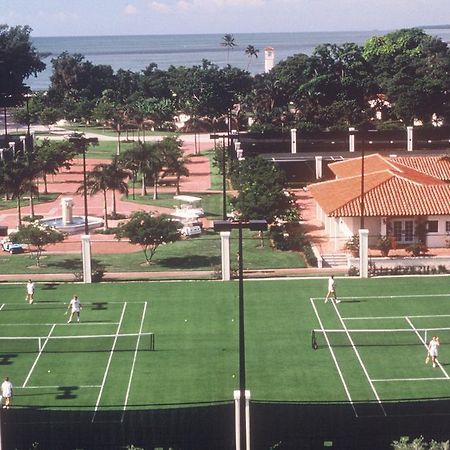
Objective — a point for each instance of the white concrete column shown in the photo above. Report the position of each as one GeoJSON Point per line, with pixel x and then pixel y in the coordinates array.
{"type": "Point", "coordinates": [293, 140]}
{"type": "Point", "coordinates": [364, 253]}
{"type": "Point", "coordinates": [66, 210]}
{"type": "Point", "coordinates": [351, 140]}
{"type": "Point", "coordinates": [225, 252]}
{"type": "Point", "coordinates": [409, 138]}
{"type": "Point", "coordinates": [318, 167]}
{"type": "Point", "coordinates": [86, 254]}
{"type": "Point", "coordinates": [383, 226]}
{"type": "Point", "coordinates": [237, 417]}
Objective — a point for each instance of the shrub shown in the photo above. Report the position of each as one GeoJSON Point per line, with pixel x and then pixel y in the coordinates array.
{"type": "Point", "coordinates": [384, 244]}
{"type": "Point", "coordinates": [417, 249]}
{"type": "Point", "coordinates": [352, 245]}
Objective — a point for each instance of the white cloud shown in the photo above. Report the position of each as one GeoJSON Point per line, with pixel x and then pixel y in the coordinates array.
{"type": "Point", "coordinates": [130, 10]}
{"type": "Point", "coordinates": [160, 7]}
{"type": "Point", "coordinates": [208, 4]}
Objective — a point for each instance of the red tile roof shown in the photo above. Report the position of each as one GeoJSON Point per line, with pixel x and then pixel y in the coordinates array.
{"type": "Point", "coordinates": [436, 166]}
{"type": "Point", "coordinates": [395, 190]}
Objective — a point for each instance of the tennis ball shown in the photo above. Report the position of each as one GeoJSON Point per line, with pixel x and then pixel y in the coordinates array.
{"type": "Point", "coordinates": [234, 376]}
{"type": "Point", "coordinates": [48, 371]}
{"type": "Point", "coordinates": [232, 320]}
{"type": "Point", "coordinates": [185, 320]}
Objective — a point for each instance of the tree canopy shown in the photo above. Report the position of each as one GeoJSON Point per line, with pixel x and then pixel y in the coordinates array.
{"type": "Point", "coordinates": [149, 232]}
{"type": "Point", "coordinates": [18, 60]}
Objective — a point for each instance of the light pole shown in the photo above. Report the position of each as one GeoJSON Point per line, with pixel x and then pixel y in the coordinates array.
{"type": "Point", "coordinates": [224, 174]}
{"type": "Point", "coordinates": [81, 142]}
{"type": "Point", "coordinates": [253, 225]}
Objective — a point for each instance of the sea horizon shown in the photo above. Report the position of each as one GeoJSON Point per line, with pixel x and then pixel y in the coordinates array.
{"type": "Point", "coordinates": [136, 52]}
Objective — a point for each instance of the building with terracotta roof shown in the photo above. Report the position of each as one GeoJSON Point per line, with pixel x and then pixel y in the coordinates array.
{"type": "Point", "coordinates": [407, 198]}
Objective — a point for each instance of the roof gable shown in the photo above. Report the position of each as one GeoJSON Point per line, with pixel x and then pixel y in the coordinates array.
{"type": "Point", "coordinates": [386, 193]}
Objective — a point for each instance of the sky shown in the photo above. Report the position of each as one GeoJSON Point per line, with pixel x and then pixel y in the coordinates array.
{"type": "Point", "coordinates": [136, 17]}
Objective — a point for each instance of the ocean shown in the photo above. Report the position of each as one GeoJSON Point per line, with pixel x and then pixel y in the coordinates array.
{"type": "Point", "coordinates": [137, 52]}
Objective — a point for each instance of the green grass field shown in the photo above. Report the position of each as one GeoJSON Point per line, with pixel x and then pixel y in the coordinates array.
{"type": "Point", "coordinates": [196, 333]}
{"type": "Point", "coordinates": [194, 254]}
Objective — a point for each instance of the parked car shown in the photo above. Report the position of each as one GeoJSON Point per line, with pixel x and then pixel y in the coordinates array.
{"type": "Point", "coordinates": [8, 246]}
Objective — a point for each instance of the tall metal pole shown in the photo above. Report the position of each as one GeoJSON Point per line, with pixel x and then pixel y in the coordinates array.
{"type": "Point", "coordinates": [243, 433]}
{"type": "Point", "coordinates": [86, 226]}
{"type": "Point", "coordinates": [362, 183]}
{"type": "Point", "coordinates": [224, 181]}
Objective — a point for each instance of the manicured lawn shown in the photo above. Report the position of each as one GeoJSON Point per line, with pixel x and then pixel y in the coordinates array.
{"type": "Point", "coordinates": [25, 203]}
{"type": "Point", "coordinates": [196, 333]}
{"type": "Point", "coordinates": [199, 253]}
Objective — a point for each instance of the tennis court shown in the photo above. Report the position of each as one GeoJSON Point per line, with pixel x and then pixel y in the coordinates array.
{"type": "Point", "coordinates": [88, 364]}
{"type": "Point", "coordinates": [378, 344]}
{"type": "Point", "coordinates": [104, 369]}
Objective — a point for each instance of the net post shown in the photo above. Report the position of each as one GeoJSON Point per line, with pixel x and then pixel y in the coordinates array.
{"type": "Point", "coordinates": [313, 340]}
{"type": "Point", "coordinates": [426, 336]}
{"type": "Point", "coordinates": [40, 344]}
{"type": "Point", "coordinates": [152, 342]}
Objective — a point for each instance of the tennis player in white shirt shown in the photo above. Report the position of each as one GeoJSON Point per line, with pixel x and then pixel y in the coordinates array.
{"type": "Point", "coordinates": [75, 308]}
{"type": "Point", "coordinates": [433, 347]}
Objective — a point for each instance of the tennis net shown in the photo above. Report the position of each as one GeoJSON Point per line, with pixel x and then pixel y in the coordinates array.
{"type": "Point", "coordinates": [321, 338]}
{"type": "Point", "coordinates": [78, 343]}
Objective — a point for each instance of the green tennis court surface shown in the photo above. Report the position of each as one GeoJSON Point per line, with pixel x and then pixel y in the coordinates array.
{"type": "Point", "coordinates": [105, 362]}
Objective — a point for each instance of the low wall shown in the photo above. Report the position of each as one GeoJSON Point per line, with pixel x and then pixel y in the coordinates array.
{"type": "Point", "coordinates": [407, 261]}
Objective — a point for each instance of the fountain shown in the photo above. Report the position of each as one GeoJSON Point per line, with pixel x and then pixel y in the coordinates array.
{"type": "Point", "coordinates": [69, 223]}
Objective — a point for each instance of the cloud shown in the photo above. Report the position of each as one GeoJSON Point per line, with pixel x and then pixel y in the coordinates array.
{"type": "Point", "coordinates": [202, 5]}
{"type": "Point", "coordinates": [130, 10]}
{"type": "Point", "coordinates": [160, 7]}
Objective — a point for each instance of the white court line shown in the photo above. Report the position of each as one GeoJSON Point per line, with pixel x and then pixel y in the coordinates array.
{"type": "Point", "coordinates": [57, 324]}
{"type": "Point", "coordinates": [134, 362]}
{"type": "Point", "coordinates": [380, 380]}
{"type": "Point", "coordinates": [88, 386]}
{"type": "Point", "coordinates": [111, 353]}
{"type": "Point", "coordinates": [1, 307]}
{"type": "Point", "coordinates": [388, 297]}
{"type": "Point", "coordinates": [38, 356]}
{"type": "Point", "coordinates": [425, 344]}
{"type": "Point", "coordinates": [359, 359]}
{"type": "Point", "coordinates": [397, 317]}
{"type": "Point", "coordinates": [341, 376]}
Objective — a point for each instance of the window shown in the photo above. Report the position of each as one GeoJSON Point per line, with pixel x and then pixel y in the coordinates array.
{"type": "Point", "coordinates": [447, 226]}
{"type": "Point", "coordinates": [409, 230]}
{"type": "Point", "coordinates": [432, 226]}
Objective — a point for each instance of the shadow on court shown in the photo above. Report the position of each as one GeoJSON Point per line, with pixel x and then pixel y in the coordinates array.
{"type": "Point", "coordinates": [290, 426]}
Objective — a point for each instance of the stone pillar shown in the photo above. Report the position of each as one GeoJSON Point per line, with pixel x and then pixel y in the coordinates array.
{"type": "Point", "coordinates": [86, 254]}
{"type": "Point", "coordinates": [237, 416]}
{"type": "Point", "coordinates": [409, 138]}
{"type": "Point", "coordinates": [319, 173]}
{"type": "Point", "coordinates": [351, 140]}
{"type": "Point", "coordinates": [225, 251]}
{"type": "Point", "coordinates": [293, 140]}
{"type": "Point", "coordinates": [364, 253]}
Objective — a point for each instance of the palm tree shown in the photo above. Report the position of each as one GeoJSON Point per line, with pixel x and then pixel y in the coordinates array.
{"type": "Point", "coordinates": [116, 180]}
{"type": "Point", "coordinates": [135, 159]}
{"type": "Point", "coordinates": [17, 178]}
{"type": "Point", "coordinates": [174, 159]}
{"type": "Point", "coordinates": [251, 51]}
{"type": "Point", "coordinates": [106, 177]}
{"type": "Point", "coordinates": [51, 156]}
{"type": "Point", "coordinates": [228, 42]}
{"type": "Point", "coordinates": [98, 181]}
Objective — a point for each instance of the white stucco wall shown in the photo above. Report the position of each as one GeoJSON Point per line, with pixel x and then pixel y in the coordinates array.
{"type": "Point", "coordinates": [439, 238]}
